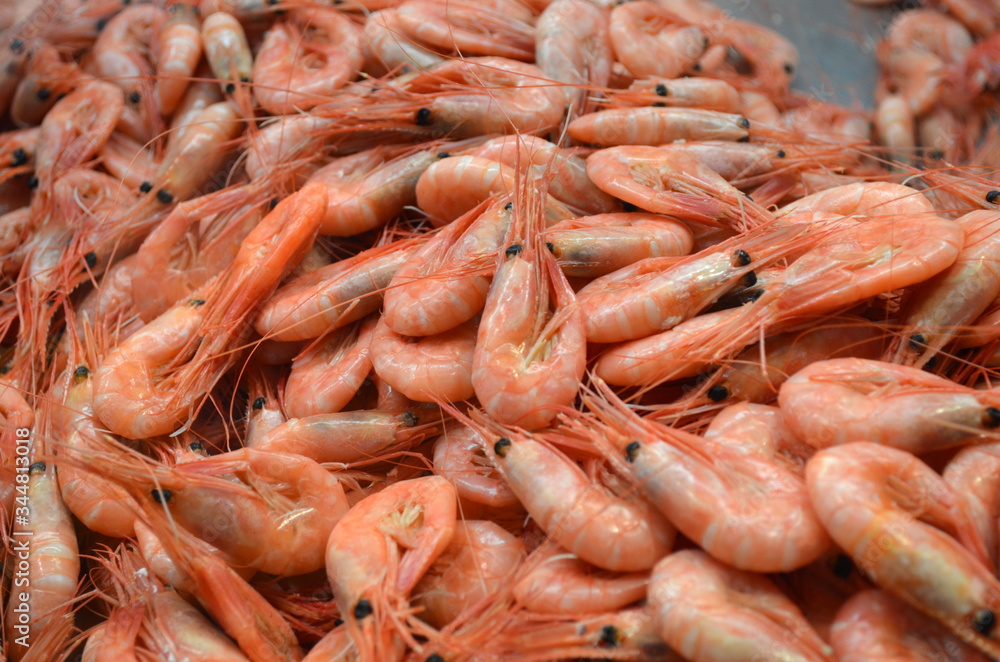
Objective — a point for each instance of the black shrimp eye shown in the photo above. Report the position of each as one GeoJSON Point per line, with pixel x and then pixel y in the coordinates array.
{"type": "Point", "coordinates": [194, 303]}
{"type": "Point", "coordinates": [363, 610]}
{"type": "Point", "coordinates": [81, 373]}
{"type": "Point", "coordinates": [32, 182]}
{"type": "Point", "coordinates": [20, 157]}
{"type": "Point", "coordinates": [609, 636]}
{"type": "Point", "coordinates": [843, 566]}
{"type": "Point", "coordinates": [16, 45]}
{"type": "Point", "coordinates": [146, 187]}
{"type": "Point", "coordinates": [134, 97]}
{"type": "Point", "coordinates": [165, 196]}
{"type": "Point", "coordinates": [741, 258]}
{"type": "Point", "coordinates": [743, 123]}
{"type": "Point", "coordinates": [410, 419]}
{"type": "Point", "coordinates": [196, 446]}
{"type": "Point", "coordinates": [161, 496]}
{"type": "Point", "coordinates": [632, 450]}
{"type": "Point", "coordinates": [230, 88]}
{"type": "Point", "coordinates": [259, 403]}
{"type": "Point", "coordinates": [512, 250]}
{"type": "Point", "coordinates": [424, 117]}
{"type": "Point", "coordinates": [789, 68]}
{"type": "Point", "coordinates": [273, 203]}
{"type": "Point", "coordinates": [993, 196]}
{"type": "Point", "coordinates": [36, 468]}
{"type": "Point", "coordinates": [918, 341]}
{"type": "Point", "coordinates": [661, 90]}
{"type": "Point", "coordinates": [983, 621]}
{"type": "Point", "coordinates": [91, 259]}
{"type": "Point", "coordinates": [434, 657]}
{"type": "Point", "coordinates": [718, 393]}
{"type": "Point", "coordinates": [508, 206]}
{"type": "Point", "coordinates": [750, 279]}
{"type": "Point", "coordinates": [43, 94]}
{"type": "Point", "coordinates": [443, 155]}
{"type": "Point", "coordinates": [780, 153]}
{"type": "Point", "coordinates": [501, 447]}
{"type": "Point", "coordinates": [992, 417]}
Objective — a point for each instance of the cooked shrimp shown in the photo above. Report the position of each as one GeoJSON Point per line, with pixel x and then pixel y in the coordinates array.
{"type": "Point", "coordinates": [573, 47]}
{"type": "Point", "coordinates": [554, 582]}
{"type": "Point", "coordinates": [865, 199]}
{"type": "Point", "coordinates": [470, 28]}
{"type": "Point", "coordinates": [379, 551]}
{"type": "Point", "coordinates": [349, 436]}
{"type": "Point", "coordinates": [650, 41]}
{"type": "Point", "coordinates": [739, 504]}
{"type": "Point", "coordinates": [386, 48]}
{"type": "Point", "coordinates": [657, 126]}
{"type": "Point", "coordinates": [881, 505]}
{"type": "Point", "coordinates": [445, 282]}
{"type": "Point", "coordinates": [459, 457]}
{"type": "Point", "coordinates": [598, 245]}
{"type": "Point", "coordinates": [476, 564]}
{"type": "Point", "coordinates": [618, 533]}
{"type": "Point", "coordinates": [46, 77]}
{"type": "Point", "coordinates": [709, 612]}
{"type": "Point", "coordinates": [325, 377]}
{"type": "Point", "coordinates": [332, 296]}
{"type": "Point", "coordinates": [895, 127]}
{"type": "Point", "coordinates": [122, 56]}
{"type": "Point", "coordinates": [667, 181]}
{"type": "Point", "coordinates": [691, 92]}
{"type": "Point", "coordinates": [426, 369]}
{"type": "Point", "coordinates": [131, 395]}
{"type": "Point", "coordinates": [227, 52]}
{"type": "Point", "coordinates": [367, 190]}
{"type": "Point", "coordinates": [304, 61]}
{"type": "Point", "coordinates": [974, 472]}
{"type": "Point", "coordinates": [838, 401]}
{"type": "Point", "coordinates": [177, 57]}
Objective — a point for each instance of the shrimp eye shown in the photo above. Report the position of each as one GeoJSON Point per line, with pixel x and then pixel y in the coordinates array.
{"type": "Point", "coordinates": [512, 250]}
{"type": "Point", "coordinates": [101, 22]}
{"type": "Point", "coordinates": [632, 450]}
{"type": "Point", "coordinates": [230, 88]}
{"type": "Point", "coordinates": [501, 447]}
{"type": "Point", "coordinates": [161, 496]}
{"type": "Point", "coordinates": [43, 94]}
{"type": "Point", "coordinates": [37, 468]}
{"type": "Point", "coordinates": [91, 259]}
{"type": "Point", "coordinates": [194, 303]}
{"type": "Point", "coordinates": [259, 403]}
{"type": "Point", "coordinates": [753, 295]}
{"type": "Point", "coordinates": [81, 373]}
{"type": "Point", "coordinates": [549, 245]}
{"type": "Point", "coordinates": [994, 417]}
{"type": "Point", "coordinates": [363, 610]}
{"type": "Point", "coordinates": [743, 123]}
{"type": "Point", "coordinates": [718, 393]}
{"type": "Point", "coordinates": [983, 621]}
{"type": "Point", "coordinates": [17, 45]}
{"type": "Point", "coordinates": [410, 419]}
{"type": "Point", "coordinates": [424, 117]}
{"type": "Point", "coordinates": [32, 182]}
{"type": "Point", "coordinates": [434, 657]}
{"type": "Point", "coordinates": [273, 203]}
{"type": "Point", "coordinates": [741, 258]}
{"type": "Point", "coordinates": [134, 97]}
{"type": "Point", "coordinates": [789, 68]}
{"type": "Point", "coordinates": [993, 196]}
{"type": "Point", "coordinates": [164, 196]}
{"type": "Point", "coordinates": [661, 90]}
{"type": "Point", "coordinates": [609, 636]}
{"type": "Point", "coordinates": [843, 566]}
{"type": "Point", "coordinates": [750, 279]}
{"type": "Point", "coordinates": [146, 187]}
{"type": "Point", "coordinates": [337, 622]}
{"type": "Point", "coordinates": [20, 157]}
{"type": "Point", "coordinates": [696, 66]}
{"type": "Point", "coordinates": [443, 155]}
{"type": "Point", "coordinates": [629, 207]}
{"type": "Point", "coordinates": [508, 206]}
{"type": "Point", "coordinates": [748, 197]}
{"type": "Point", "coordinates": [780, 154]}
{"type": "Point", "coordinates": [196, 446]}
{"type": "Point", "coordinates": [917, 341]}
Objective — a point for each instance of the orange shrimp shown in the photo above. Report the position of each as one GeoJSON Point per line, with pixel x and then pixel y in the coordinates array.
{"type": "Point", "coordinates": [573, 47]}
{"type": "Point", "coordinates": [305, 60]}
{"type": "Point", "coordinates": [379, 551]}
{"type": "Point", "coordinates": [46, 77]}
{"type": "Point", "coordinates": [128, 160]}
{"type": "Point", "coordinates": [459, 457]}
{"type": "Point", "coordinates": [387, 49]}
{"type": "Point", "coordinates": [667, 181]}
{"type": "Point", "coordinates": [739, 504]}
{"type": "Point", "coordinates": [881, 505]}
{"type": "Point", "coordinates": [333, 296]}
{"type": "Point", "coordinates": [131, 395]}
{"type": "Point", "coordinates": [651, 41]}
{"type": "Point", "coordinates": [325, 377]}
{"type": "Point", "coordinates": [229, 55]}
{"type": "Point", "coordinates": [863, 199]}
{"type": "Point", "coordinates": [178, 51]}
{"type": "Point", "coordinates": [691, 92]}
{"type": "Point", "coordinates": [445, 282]}
{"type": "Point", "coordinates": [504, 29]}
{"type": "Point", "coordinates": [974, 472]}
{"type": "Point", "coordinates": [476, 564]}
{"type": "Point", "coordinates": [709, 612]}
{"type": "Point", "coordinates": [657, 126]}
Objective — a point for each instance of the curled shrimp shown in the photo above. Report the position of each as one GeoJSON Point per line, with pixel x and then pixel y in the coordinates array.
{"type": "Point", "coordinates": [379, 551]}
{"type": "Point", "coordinates": [709, 612]}
{"type": "Point", "coordinates": [177, 57]}
{"type": "Point", "coordinates": [974, 472]}
{"type": "Point", "coordinates": [386, 48]}
{"type": "Point", "coordinates": [573, 47]}
{"type": "Point", "coordinates": [326, 376]}
{"type": "Point", "coordinates": [459, 457]}
{"type": "Point", "coordinates": [651, 41]}
{"type": "Point", "coordinates": [504, 29]}
{"type": "Point", "coordinates": [881, 505]}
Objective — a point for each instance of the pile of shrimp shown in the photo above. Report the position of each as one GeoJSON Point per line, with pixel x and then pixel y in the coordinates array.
{"type": "Point", "coordinates": [444, 330]}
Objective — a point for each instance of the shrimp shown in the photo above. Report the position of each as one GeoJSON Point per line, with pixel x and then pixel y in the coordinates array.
{"type": "Point", "coordinates": [348, 437]}
{"type": "Point", "coordinates": [691, 92]}
{"type": "Point", "coordinates": [303, 62]}
{"type": "Point", "coordinates": [470, 28]}
{"type": "Point", "coordinates": [667, 181]}
{"type": "Point", "coordinates": [445, 282]}
{"type": "Point", "coordinates": [657, 126]}
{"type": "Point", "coordinates": [650, 41]}
{"type": "Point", "coordinates": [131, 395]}
{"type": "Point", "coordinates": [573, 47]}
{"type": "Point", "coordinates": [873, 623]}
{"type": "Point", "coordinates": [554, 582]}
{"type": "Point", "coordinates": [430, 368]}
{"type": "Point", "coordinates": [101, 505]}
{"type": "Point", "coordinates": [333, 296]}
{"type": "Point", "coordinates": [837, 401]}
{"type": "Point", "coordinates": [367, 190]}
{"type": "Point", "coordinates": [229, 55]}
{"type": "Point", "coordinates": [476, 564]}
{"type": "Point", "coordinates": [325, 377]}
{"type": "Point", "coordinates": [864, 199]}
{"type": "Point", "coordinates": [709, 612]}
{"type": "Point", "coordinates": [377, 554]}
{"type": "Point", "coordinates": [958, 295]}
{"type": "Point", "coordinates": [621, 534]}
{"type": "Point", "coordinates": [386, 48]}
{"type": "Point", "coordinates": [974, 472]}
{"type": "Point", "coordinates": [881, 505]}
{"type": "Point", "coordinates": [459, 457]}
{"type": "Point", "coordinates": [737, 503]}
{"type": "Point", "coordinates": [46, 77]}
{"type": "Point", "coordinates": [598, 245]}
{"type": "Point", "coordinates": [487, 95]}
{"type": "Point", "coordinates": [531, 347]}
{"type": "Point", "coordinates": [178, 47]}
{"type": "Point", "coordinates": [895, 127]}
